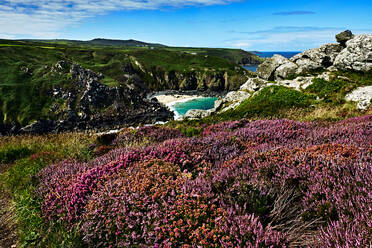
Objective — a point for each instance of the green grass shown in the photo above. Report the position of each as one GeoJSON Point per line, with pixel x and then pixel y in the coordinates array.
{"type": "Point", "coordinates": [34, 153]}
{"type": "Point", "coordinates": [340, 84]}
{"type": "Point", "coordinates": [269, 102]}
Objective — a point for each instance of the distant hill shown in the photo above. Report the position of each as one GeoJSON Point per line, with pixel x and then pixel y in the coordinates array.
{"type": "Point", "coordinates": [102, 42]}
{"type": "Point", "coordinates": [109, 42]}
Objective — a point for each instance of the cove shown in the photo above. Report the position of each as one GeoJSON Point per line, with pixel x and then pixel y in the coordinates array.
{"type": "Point", "coordinates": [204, 103]}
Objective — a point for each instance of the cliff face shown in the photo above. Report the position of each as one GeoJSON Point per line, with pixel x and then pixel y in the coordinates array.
{"type": "Point", "coordinates": [86, 103]}
{"type": "Point", "coordinates": [207, 80]}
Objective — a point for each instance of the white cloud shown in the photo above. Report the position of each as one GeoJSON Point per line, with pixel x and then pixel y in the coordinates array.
{"type": "Point", "coordinates": [46, 18]}
{"type": "Point", "coordinates": [287, 38]}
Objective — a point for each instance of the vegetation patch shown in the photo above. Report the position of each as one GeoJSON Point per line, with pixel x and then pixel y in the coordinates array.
{"type": "Point", "coordinates": [269, 101]}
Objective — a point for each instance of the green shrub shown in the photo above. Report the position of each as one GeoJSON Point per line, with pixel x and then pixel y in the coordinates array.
{"type": "Point", "coordinates": [330, 91]}
{"type": "Point", "coordinates": [12, 154]}
{"type": "Point", "coordinates": [270, 101]}
{"type": "Point", "coordinates": [191, 131]}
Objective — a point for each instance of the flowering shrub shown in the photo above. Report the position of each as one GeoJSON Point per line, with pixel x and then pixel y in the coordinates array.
{"type": "Point", "coordinates": [273, 183]}
{"type": "Point", "coordinates": [147, 135]}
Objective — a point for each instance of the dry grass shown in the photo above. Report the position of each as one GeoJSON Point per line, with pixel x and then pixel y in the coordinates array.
{"type": "Point", "coordinates": [325, 112]}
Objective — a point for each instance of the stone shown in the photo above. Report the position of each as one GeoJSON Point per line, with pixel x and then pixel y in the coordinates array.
{"type": "Point", "coordinates": [218, 104]}
{"type": "Point", "coordinates": [357, 55]}
{"type": "Point", "coordinates": [344, 36]}
{"type": "Point", "coordinates": [254, 84]}
{"type": "Point", "coordinates": [106, 138]}
{"type": "Point", "coordinates": [230, 100]}
{"type": "Point", "coordinates": [306, 65]}
{"type": "Point", "coordinates": [266, 69]}
{"type": "Point", "coordinates": [285, 70]}
{"type": "Point", "coordinates": [325, 75]}
{"type": "Point", "coordinates": [362, 96]}
{"type": "Point", "coordinates": [197, 114]}
{"type": "Point", "coordinates": [236, 96]}
{"type": "Point", "coordinates": [297, 83]}
{"type": "Point", "coordinates": [39, 127]}
{"type": "Point", "coordinates": [316, 58]}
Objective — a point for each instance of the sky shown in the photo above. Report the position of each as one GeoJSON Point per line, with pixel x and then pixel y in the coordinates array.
{"type": "Point", "coordinates": [253, 25]}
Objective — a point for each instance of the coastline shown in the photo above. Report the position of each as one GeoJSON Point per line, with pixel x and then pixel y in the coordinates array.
{"type": "Point", "coordinates": [171, 100]}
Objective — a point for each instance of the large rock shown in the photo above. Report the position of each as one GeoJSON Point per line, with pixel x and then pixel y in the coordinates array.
{"type": "Point", "coordinates": [197, 114]}
{"type": "Point", "coordinates": [343, 37]}
{"type": "Point", "coordinates": [307, 65]}
{"type": "Point", "coordinates": [254, 84]}
{"type": "Point", "coordinates": [266, 69]}
{"type": "Point", "coordinates": [297, 83]}
{"type": "Point", "coordinates": [230, 100]}
{"type": "Point", "coordinates": [39, 127]}
{"type": "Point", "coordinates": [285, 70]}
{"type": "Point", "coordinates": [237, 96]}
{"type": "Point", "coordinates": [362, 96]}
{"type": "Point", "coordinates": [357, 55]}
{"type": "Point", "coordinates": [317, 58]}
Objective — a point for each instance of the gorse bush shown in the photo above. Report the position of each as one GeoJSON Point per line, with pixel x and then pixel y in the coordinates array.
{"type": "Point", "coordinates": [268, 183]}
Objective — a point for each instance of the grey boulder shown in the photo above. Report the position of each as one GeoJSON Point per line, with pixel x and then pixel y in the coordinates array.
{"type": "Point", "coordinates": [343, 37]}
{"type": "Point", "coordinates": [357, 55]}
{"type": "Point", "coordinates": [266, 69]}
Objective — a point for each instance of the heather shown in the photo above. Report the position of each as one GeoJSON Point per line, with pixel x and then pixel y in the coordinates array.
{"type": "Point", "coordinates": [266, 183]}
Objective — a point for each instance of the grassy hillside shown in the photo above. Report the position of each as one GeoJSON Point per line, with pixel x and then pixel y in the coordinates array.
{"type": "Point", "coordinates": [99, 42]}
{"type": "Point", "coordinates": [237, 56]}
{"type": "Point", "coordinates": [28, 74]}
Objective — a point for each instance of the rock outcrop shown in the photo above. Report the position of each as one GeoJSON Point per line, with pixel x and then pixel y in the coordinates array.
{"type": "Point", "coordinates": [343, 37]}
{"type": "Point", "coordinates": [317, 58]}
{"type": "Point", "coordinates": [267, 69]}
{"type": "Point", "coordinates": [87, 103]}
{"type": "Point", "coordinates": [197, 114]}
{"type": "Point", "coordinates": [362, 95]}
{"type": "Point", "coordinates": [357, 56]}
{"type": "Point", "coordinates": [353, 53]}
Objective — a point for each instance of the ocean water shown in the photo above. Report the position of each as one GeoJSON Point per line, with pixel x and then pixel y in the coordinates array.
{"type": "Point", "coordinates": [204, 103]}
{"type": "Point", "coordinates": [251, 67]}
{"type": "Point", "coordinates": [287, 55]}
{"type": "Point", "coordinates": [270, 54]}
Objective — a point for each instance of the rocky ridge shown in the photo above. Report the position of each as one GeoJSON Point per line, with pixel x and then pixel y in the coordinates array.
{"type": "Point", "coordinates": [87, 104]}
{"type": "Point", "coordinates": [351, 53]}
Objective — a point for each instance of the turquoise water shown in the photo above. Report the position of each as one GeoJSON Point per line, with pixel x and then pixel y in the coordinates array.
{"type": "Point", "coordinates": [204, 103]}
{"type": "Point", "coordinates": [251, 68]}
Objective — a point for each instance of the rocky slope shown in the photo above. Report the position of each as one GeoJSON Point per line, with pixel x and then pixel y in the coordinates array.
{"type": "Point", "coordinates": [352, 53]}
{"type": "Point", "coordinates": [87, 103]}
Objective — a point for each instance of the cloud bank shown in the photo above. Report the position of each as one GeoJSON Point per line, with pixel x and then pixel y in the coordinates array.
{"type": "Point", "coordinates": [46, 18]}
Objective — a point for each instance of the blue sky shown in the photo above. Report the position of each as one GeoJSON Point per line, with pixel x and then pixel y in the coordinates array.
{"type": "Point", "coordinates": [265, 25]}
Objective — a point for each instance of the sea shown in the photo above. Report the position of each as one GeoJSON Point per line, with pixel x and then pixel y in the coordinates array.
{"type": "Point", "coordinates": [203, 103]}
{"type": "Point", "coordinates": [269, 55]}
